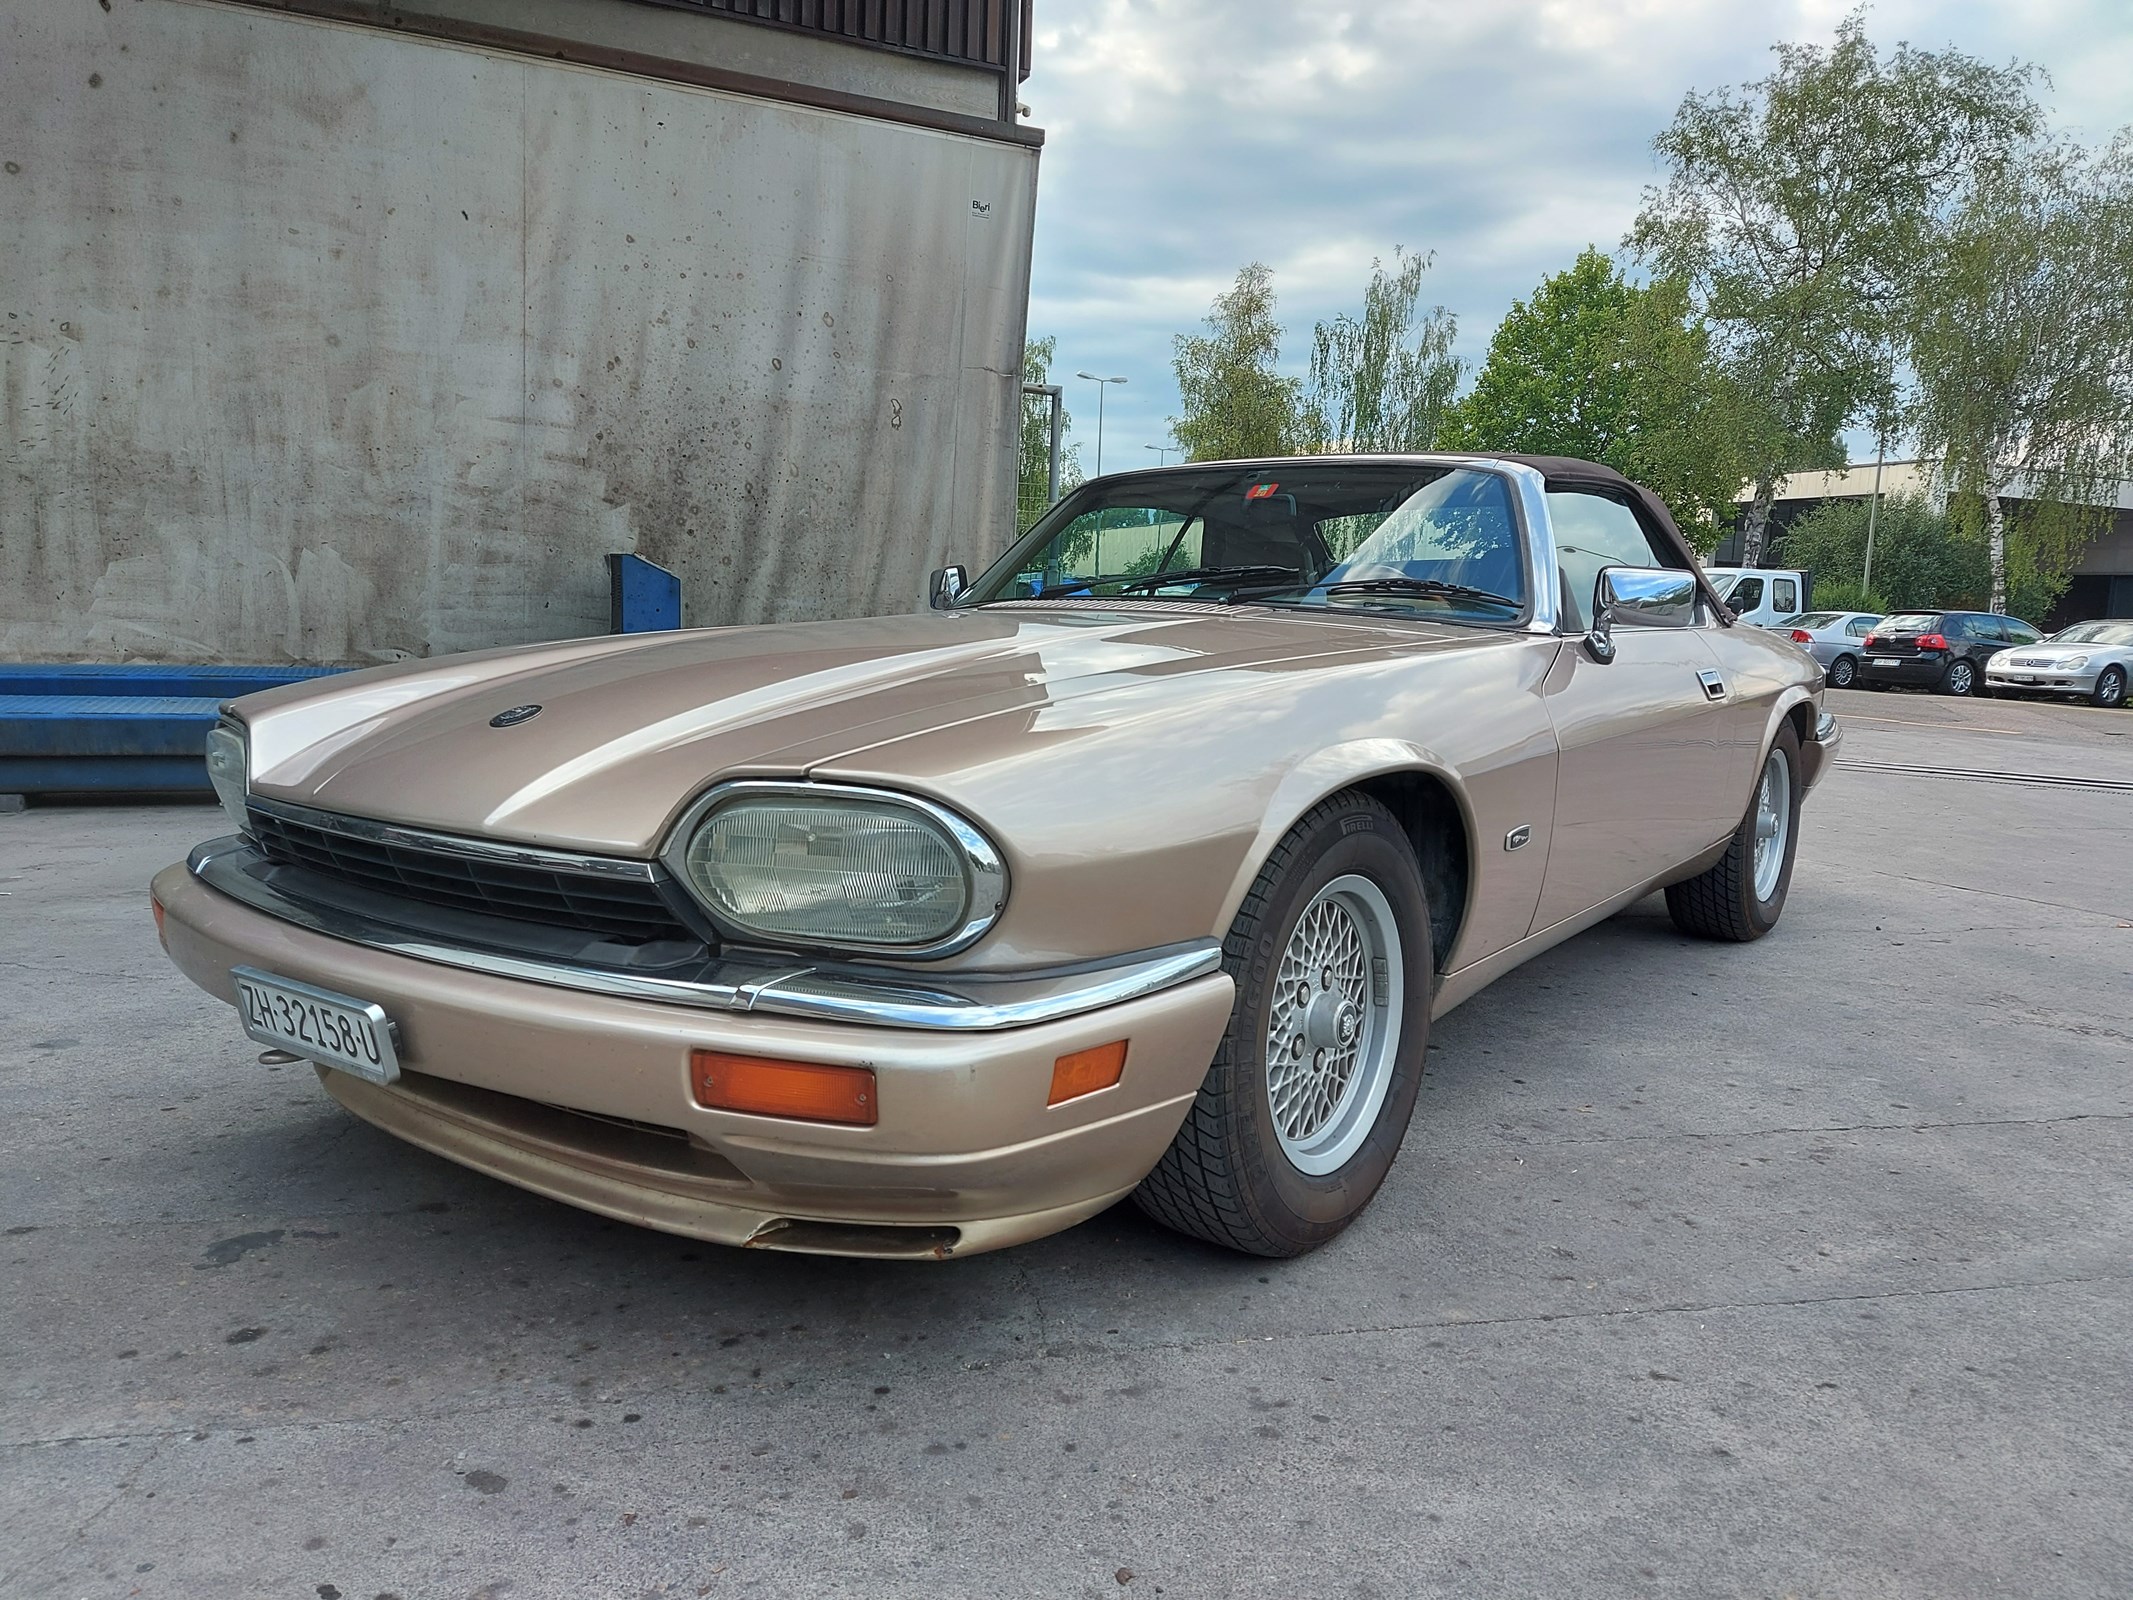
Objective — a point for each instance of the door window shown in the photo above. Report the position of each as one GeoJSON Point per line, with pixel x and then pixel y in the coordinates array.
{"type": "Point", "coordinates": [1785, 595]}
{"type": "Point", "coordinates": [1860, 627]}
{"type": "Point", "coordinates": [2020, 632]}
{"type": "Point", "coordinates": [1591, 532]}
{"type": "Point", "coordinates": [1747, 595]}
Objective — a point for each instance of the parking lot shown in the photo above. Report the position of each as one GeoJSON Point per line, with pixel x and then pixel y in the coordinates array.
{"type": "Point", "coordinates": [1796, 1268]}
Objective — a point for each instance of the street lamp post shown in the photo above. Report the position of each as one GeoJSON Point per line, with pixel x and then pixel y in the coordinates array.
{"type": "Point", "coordinates": [1162, 452]}
{"type": "Point", "coordinates": [1099, 382]}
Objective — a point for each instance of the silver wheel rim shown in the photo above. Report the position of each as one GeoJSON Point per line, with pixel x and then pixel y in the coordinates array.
{"type": "Point", "coordinates": [1959, 677]}
{"type": "Point", "coordinates": [1773, 823]}
{"type": "Point", "coordinates": [2114, 687]}
{"type": "Point", "coordinates": [1841, 674]}
{"type": "Point", "coordinates": [1333, 1024]}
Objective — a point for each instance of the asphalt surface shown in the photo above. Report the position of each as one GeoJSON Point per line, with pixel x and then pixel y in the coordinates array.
{"type": "Point", "coordinates": [1803, 1268]}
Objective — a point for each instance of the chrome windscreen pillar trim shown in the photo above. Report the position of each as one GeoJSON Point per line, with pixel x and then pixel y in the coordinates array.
{"type": "Point", "coordinates": [747, 982]}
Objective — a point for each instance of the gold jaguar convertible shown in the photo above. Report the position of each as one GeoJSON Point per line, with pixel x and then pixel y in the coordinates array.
{"type": "Point", "coordinates": [1137, 865]}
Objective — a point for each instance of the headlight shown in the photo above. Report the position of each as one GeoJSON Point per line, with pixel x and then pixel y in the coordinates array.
{"type": "Point", "coordinates": [228, 767]}
{"type": "Point", "coordinates": [2072, 663]}
{"type": "Point", "coordinates": [813, 864]}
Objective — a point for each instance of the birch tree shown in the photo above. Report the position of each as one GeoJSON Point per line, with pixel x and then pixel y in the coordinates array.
{"type": "Point", "coordinates": [1382, 381]}
{"type": "Point", "coordinates": [1798, 208]}
{"type": "Point", "coordinates": [2021, 339]}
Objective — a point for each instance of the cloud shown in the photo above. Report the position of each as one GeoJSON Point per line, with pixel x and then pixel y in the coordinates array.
{"type": "Point", "coordinates": [1187, 137]}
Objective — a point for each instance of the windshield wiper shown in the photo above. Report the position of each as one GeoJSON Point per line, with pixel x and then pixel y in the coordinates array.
{"type": "Point", "coordinates": [1159, 580]}
{"type": "Point", "coordinates": [1127, 582]}
{"type": "Point", "coordinates": [1435, 588]}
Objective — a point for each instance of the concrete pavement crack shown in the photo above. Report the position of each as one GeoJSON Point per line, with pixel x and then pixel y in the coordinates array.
{"type": "Point", "coordinates": [1996, 894]}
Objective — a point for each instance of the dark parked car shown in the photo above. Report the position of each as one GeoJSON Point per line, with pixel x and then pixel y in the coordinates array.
{"type": "Point", "coordinates": [1944, 651]}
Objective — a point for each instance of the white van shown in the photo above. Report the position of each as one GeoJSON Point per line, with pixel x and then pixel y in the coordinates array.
{"type": "Point", "coordinates": [1764, 596]}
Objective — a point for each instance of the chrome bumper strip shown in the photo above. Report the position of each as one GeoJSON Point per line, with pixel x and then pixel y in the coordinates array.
{"type": "Point", "coordinates": [819, 992]}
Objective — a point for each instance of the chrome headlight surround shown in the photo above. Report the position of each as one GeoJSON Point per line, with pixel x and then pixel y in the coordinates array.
{"type": "Point", "coordinates": [229, 768]}
{"type": "Point", "coordinates": [984, 870]}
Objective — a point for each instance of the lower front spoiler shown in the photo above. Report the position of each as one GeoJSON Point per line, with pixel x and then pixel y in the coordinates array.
{"type": "Point", "coordinates": [653, 1180]}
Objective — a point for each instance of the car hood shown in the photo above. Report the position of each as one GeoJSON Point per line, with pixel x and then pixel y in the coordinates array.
{"type": "Point", "coordinates": [630, 728]}
{"type": "Point", "coordinates": [2050, 652]}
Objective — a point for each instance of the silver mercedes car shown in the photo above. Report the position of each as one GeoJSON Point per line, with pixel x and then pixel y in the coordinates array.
{"type": "Point", "coordinates": [2090, 658]}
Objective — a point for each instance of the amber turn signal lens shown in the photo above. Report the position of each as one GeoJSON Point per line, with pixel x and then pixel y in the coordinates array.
{"type": "Point", "coordinates": [1086, 1071]}
{"type": "Point", "coordinates": [805, 1091]}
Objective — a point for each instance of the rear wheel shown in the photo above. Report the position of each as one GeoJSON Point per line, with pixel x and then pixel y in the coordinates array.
{"type": "Point", "coordinates": [1842, 671]}
{"type": "Point", "coordinates": [1961, 678]}
{"type": "Point", "coordinates": [2110, 687]}
{"type": "Point", "coordinates": [1304, 1106]}
{"type": "Point", "coordinates": [1742, 897]}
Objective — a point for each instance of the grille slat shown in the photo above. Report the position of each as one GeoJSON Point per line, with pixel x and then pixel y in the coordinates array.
{"type": "Point", "coordinates": [554, 897]}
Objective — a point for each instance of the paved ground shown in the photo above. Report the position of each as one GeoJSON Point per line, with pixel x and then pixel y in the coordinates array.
{"type": "Point", "coordinates": [1804, 1268]}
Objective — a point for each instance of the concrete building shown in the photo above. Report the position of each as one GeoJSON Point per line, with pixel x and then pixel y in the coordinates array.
{"type": "Point", "coordinates": [338, 331]}
{"type": "Point", "coordinates": [2102, 584]}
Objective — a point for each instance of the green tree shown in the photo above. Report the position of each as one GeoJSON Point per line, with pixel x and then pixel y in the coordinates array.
{"type": "Point", "coordinates": [1236, 400]}
{"type": "Point", "coordinates": [1598, 367]}
{"type": "Point", "coordinates": [1382, 381]}
{"type": "Point", "coordinates": [1033, 494]}
{"type": "Point", "coordinates": [1799, 208]}
{"type": "Point", "coordinates": [2021, 339]}
{"type": "Point", "coordinates": [1923, 558]}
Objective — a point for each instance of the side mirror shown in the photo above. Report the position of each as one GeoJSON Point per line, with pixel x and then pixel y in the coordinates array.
{"type": "Point", "coordinates": [1645, 597]}
{"type": "Point", "coordinates": [946, 586]}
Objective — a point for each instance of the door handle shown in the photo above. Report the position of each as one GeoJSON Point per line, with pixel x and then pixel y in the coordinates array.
{"type": "Point", "coordinates": [1714, 684]}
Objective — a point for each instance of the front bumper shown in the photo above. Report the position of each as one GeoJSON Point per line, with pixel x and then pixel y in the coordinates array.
{"type": "Point", "coordinates": [585, 1097]}
{"type": "Point", "coordinates": [1819, 753]}
{"type": "Point", "coordinates": [2043, 680]}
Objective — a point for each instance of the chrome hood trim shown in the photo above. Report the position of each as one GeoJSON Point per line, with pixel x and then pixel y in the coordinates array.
{"type": "Point", "coordinates": [817, 992]}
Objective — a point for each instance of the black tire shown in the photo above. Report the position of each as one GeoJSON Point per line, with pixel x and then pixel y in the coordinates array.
{"type": "Point", "coordinates": [1842, 671]}
{"type": "Point", "coordinates": [1721, 902]}
{"type": "Point", "coordinates": [1961, 679]}
{"type": "Point", "coordinates": [2110, 687]}
{"type": "Point", "coordinates": [1225, 1177]}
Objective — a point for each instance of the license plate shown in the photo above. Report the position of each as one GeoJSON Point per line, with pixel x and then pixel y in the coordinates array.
{"type": "Point", "coordinates": [1887, 661]}
{"type": "Point", "coordinates": [337, 1030]}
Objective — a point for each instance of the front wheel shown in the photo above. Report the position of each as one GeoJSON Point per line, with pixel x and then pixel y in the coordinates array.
{"type": "Point", "coordinates": [1303, 1109]}
{"type": "Point", "coordinates": [1743, 895]}
{"type": "Point", "coordinates": [1842, 671]}
{"type": "Point", "coordinates": [2110, 687]}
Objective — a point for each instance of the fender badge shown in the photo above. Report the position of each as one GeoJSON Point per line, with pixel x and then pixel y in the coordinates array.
{"type": "Point", "coordinates": [513, 717]}
{"type": "Point", "coordinates": [1515, 838]}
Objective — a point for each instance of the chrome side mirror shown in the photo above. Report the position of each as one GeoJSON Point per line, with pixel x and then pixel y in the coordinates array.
{"type": "Point", "coordinates": [946, 586]}
{"type": "Point", "coordinates": [1642, 597]}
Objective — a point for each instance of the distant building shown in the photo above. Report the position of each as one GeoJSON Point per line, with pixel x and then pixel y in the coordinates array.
{"type": "Point", "coordinates": [2102, 584]}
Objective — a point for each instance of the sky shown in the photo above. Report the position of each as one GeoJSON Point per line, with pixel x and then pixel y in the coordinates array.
{"type": "Point", "coordinates": [1187, 137]}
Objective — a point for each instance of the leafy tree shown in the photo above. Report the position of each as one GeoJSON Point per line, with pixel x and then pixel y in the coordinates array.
{"type": "Point", "coordinates": [1923, 558]}
{"type": "Point", "coordinates": [1033, 491]}
{"type": "Point", "coordinates": [1800, 207]}
{"type": "Point", "coordinates": [1384, 380]}
{"type": "Point", "coordinates": [1595, 366]}
{"type": "Point", "coordinates": [2021, 338]}
{"type": "Point", "coordinates": [1236, 401]}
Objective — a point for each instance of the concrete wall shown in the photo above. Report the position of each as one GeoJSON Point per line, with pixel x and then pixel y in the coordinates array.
{"type": "Point", "coordinates": [324, 344]}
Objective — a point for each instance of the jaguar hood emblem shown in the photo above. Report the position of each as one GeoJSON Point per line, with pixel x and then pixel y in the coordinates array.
{"type": "Point", "coordinates": [513, 717]}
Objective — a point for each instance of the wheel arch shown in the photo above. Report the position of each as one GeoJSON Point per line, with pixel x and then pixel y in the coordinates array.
{"type": "Point", "coordinates": [1424, 795]}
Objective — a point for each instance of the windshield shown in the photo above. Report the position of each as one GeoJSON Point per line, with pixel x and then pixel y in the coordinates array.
{"type": "Point", "coordinates": [2118, 633]}
{"type": "Point", "coordinates": [1437, 541]}
{"type": "Point", "coordinates": [1909, 622]}
{"type": "Point", "coordinates": [1816, 619]}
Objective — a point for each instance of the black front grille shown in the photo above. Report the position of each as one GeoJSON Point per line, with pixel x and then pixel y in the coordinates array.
{"type": "Point", "coordinates": [551, 896]}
